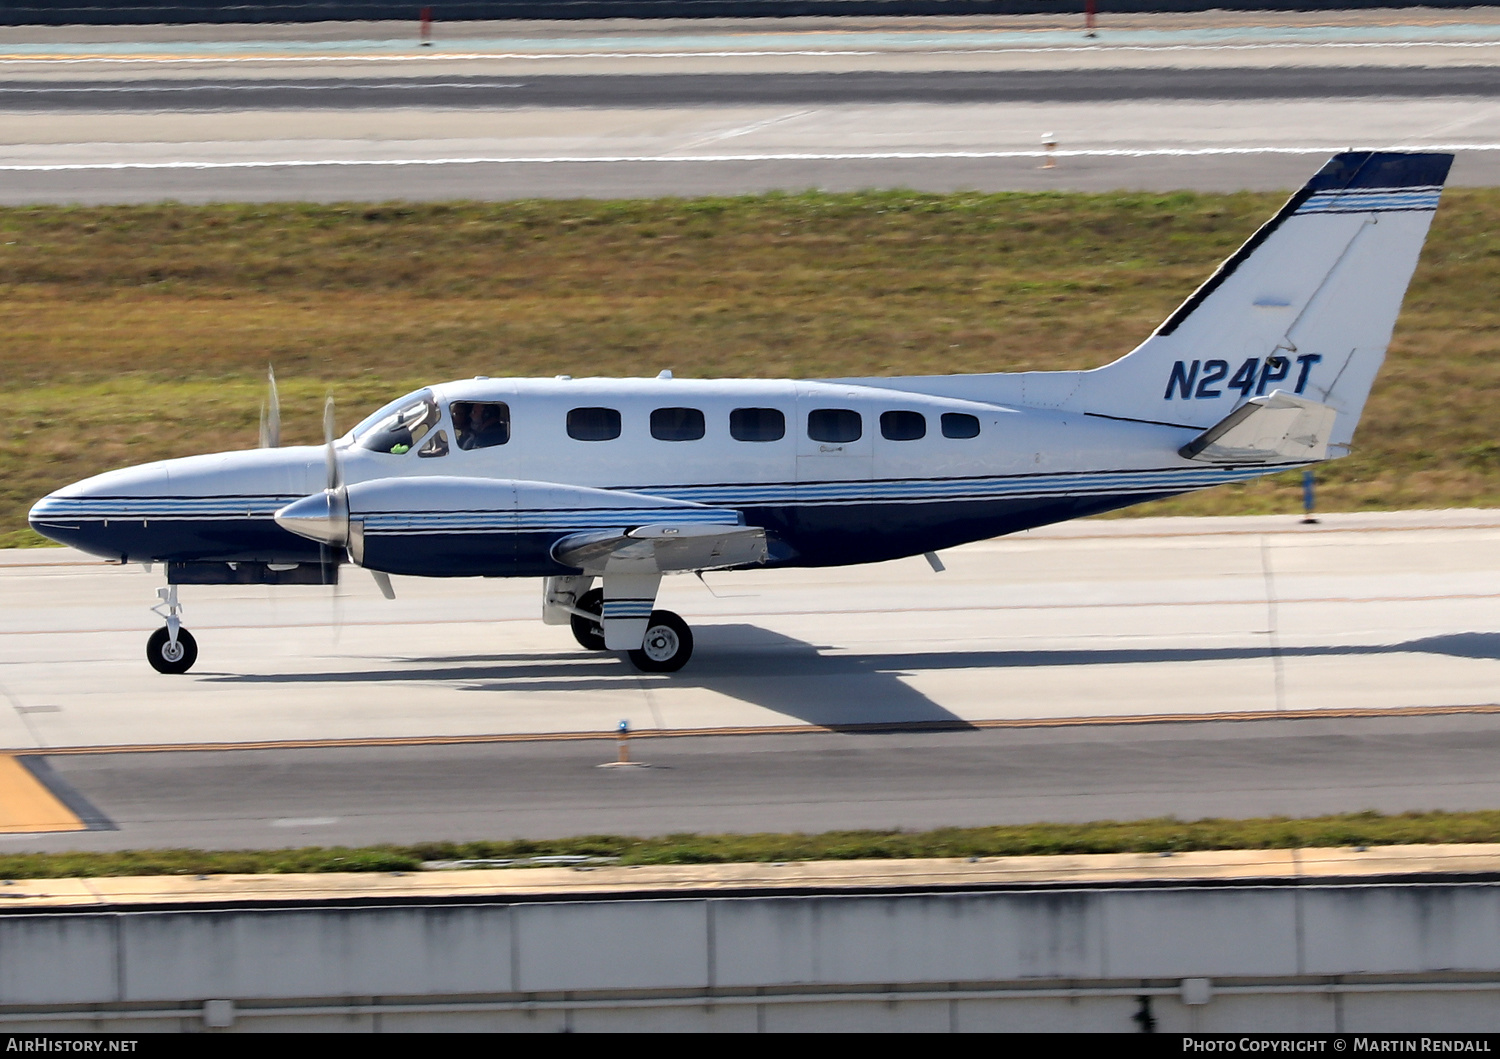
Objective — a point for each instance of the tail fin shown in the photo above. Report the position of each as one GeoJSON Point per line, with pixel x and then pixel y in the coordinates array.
{"type": "Point", "coordinates": [1306, 306]}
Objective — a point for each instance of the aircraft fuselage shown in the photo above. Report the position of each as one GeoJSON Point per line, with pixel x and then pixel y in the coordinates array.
{"type": "Point", "coordinates": [857, 474]}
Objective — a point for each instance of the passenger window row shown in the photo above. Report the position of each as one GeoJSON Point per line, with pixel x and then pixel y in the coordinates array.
{"type": "Point", "coordinates": [842, 425]}
{"type": "Point", "coordinates": [481, 424]}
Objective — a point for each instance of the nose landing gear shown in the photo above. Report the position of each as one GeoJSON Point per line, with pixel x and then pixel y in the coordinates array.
{"type": "Point", "coordinates": [171, 656]}
{"type": "Point", "coordinates": [171, 649]}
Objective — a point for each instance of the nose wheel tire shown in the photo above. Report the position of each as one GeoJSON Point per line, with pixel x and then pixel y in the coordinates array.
{"type": "Point", "coordinates": [589, 634]}
{"type": "Point", "coordinates": [167, 657]}
{"type": "Point", "coordinates": [668, 644]}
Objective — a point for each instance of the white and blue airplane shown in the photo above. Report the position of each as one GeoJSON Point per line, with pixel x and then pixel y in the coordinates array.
{"type": "Point", "coordinates": [1265, 367]}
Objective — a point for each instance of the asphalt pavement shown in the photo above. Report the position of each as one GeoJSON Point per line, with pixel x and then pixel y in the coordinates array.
{"type": "Point", "coordinates": [603, 110]}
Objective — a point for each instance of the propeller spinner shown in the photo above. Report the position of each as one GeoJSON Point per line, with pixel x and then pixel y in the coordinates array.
{"type": "Point", "coordinates": [323, 517]}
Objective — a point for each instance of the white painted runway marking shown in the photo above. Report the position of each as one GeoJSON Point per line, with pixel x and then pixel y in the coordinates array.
{"type": "Point", "coordinates": [847, 156]}
{"type": "Point", "coordinates": [163, 60]}
{"type": "Point", "coordinates": [745, 130]}
{"type": "Point", "coordinates": [305, 821]}
{"type": "Point", "coordinates": [256, 86]}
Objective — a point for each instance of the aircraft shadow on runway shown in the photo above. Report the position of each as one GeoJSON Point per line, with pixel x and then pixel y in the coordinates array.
{"type": "Point", "coordinates": [757, 666]}
{"type": "Point", "coordinates": [844, 691]}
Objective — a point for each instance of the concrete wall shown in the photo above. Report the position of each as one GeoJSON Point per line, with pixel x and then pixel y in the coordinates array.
{"type": "Point", "coordinates": [148, 12]}
{"type": "Point", "coordinates": [1234, 958]}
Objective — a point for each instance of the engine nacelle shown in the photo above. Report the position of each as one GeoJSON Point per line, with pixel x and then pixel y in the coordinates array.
{"type": "Point", "coordinates": [467, 527]}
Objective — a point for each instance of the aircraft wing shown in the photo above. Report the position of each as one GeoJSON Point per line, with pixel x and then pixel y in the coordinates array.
{"type": "Point", "coordinates": [1277, 428]}
{"type": "Point", "coordinates": [665, 546]}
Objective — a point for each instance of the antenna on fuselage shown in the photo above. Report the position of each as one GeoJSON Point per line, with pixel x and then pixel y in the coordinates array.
{"type": "Point", "coordinates": [270, 413]}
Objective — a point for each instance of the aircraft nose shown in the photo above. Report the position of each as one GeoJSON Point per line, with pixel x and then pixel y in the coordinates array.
{"type": "Point", "coordinates": [50, 516]}
{"type": "Point", "coordinates": [322, 517]}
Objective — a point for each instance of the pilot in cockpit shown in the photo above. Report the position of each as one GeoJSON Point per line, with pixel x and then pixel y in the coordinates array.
{"type": "Point", "coordinates": [488, 426]}
{"type": "Point", "coordinates": [480, 424]}
{"type": "Point", "coordinates": [460, 410]}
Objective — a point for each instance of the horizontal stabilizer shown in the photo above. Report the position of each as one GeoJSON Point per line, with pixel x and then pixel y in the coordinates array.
{"type": "Point", "coordinates": [1277, 428]}
{"type": "Point", "coordinates": [666, 546]}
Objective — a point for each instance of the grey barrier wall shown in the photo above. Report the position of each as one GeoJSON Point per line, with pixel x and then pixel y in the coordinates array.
{"type": "Point", "coordinates": [148, 12]}
{"type": "Point", "coordinates": [1316, 958]}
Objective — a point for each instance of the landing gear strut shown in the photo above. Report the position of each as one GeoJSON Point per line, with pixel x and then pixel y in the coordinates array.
{"type": "Point", "coordinates": [171, 649]}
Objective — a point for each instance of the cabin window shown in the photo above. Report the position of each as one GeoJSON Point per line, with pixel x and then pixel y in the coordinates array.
{"type": "Point", "coordinates": [398, 432]}
{"type": "Point", "coordinates": [757, 424]}
{"type": "Point", "coordinates": [834, 424]}
{"type": "Point", "coordinates": [960, 425]}
{"type": "Point", "coordinates": [437, 445]}
{"type": "Point", "coordinates": [480, 424]}
{"type": "Point", "coordinates": [594, 424]}
{"type": "Point", "coordinates": [903, 426]}
{"type": "Point", "coordinates": [676, 424]}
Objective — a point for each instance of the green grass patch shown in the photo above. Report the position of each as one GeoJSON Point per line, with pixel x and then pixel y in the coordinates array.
{"type": "Point", "coordinates": [25, 538]}
{"type": "Point", "coordinates": [1138, 836]}
{"type": "Point", "coordinates": [142, 332]}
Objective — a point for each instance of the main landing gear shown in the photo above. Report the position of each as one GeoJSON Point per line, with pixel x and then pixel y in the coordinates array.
{"type": "Point", "coordinates": [666, 648]}
{"type": "Point", "coordinates": [668, 644]}
{"type": "Point", "coordinates": [587, 631]}
{"type": "Point", "coordinates": [171, 649]}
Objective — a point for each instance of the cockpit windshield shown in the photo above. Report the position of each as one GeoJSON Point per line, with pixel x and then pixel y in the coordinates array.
{"type": "Point", "coordinates": [381, 414]}
{"type": "Point", "coordinates": [404, 427]}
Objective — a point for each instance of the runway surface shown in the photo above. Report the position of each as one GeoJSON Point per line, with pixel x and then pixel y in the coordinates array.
{"type": "Point", "coordinates": [612, 91]}
{"type": "Point", "coordinates": [1094, 670]}
{"type": "Point", "coordinates": [497, 111]}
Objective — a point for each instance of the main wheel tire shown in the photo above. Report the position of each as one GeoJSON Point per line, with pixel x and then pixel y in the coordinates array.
{"type": "Point", "coordinates": [589, 634]}
{"type": "Point", "coordinates": [167, 657]}
{"type": "Point", "coordinates": [668, 645]}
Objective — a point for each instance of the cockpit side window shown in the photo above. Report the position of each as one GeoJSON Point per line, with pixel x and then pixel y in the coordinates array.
{"type": "Point", "coordinates": [437, 445]}
{"type": "Point", "coordinates": [406, 427]}
{"type": "Point", "coordinates": [480, 424]}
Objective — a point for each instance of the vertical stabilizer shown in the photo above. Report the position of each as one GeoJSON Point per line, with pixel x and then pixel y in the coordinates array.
{"type": "Point", "coordinates": [1306, 306]}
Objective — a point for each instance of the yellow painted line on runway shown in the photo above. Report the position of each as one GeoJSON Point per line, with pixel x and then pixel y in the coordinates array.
{"type": "Point", "coordinates": [892, 727]}
{"type": "Point", "coordinates": [27, 806]}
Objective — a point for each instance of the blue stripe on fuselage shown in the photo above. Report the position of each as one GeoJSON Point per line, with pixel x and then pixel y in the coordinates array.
{"type": "Point", "coordinates": [812, 523]}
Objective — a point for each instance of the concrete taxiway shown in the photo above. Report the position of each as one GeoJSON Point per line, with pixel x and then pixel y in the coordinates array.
{"type": "Point", "coordinates": [1160, 618]}
{"type": "Point", "coordinates": [1086, 671]}
{"type": "Point", "coordinates": [497, 111]}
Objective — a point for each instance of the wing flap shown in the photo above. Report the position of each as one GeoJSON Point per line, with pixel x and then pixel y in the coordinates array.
{"type": "Point", "coordinates": [1277, 428]}
{"type": "Point", "coordinates": [668, 547]}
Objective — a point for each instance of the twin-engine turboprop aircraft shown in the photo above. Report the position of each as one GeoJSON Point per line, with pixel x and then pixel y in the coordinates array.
{"type": "Point", "coordinates": [1266, 367]}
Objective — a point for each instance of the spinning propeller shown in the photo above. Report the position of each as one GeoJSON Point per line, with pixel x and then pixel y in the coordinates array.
{"type": "Point", "coordinates": [270, 414]}
{"type": "Point", "coordinates": [336, 497]}
{"type": "Point", "coordinates": [324, 517]}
